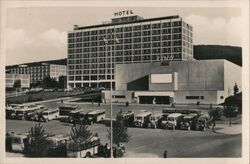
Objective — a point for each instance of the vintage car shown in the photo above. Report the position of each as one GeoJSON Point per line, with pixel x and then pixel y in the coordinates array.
{"type": "Point", "coordinates": [142, 119]}
{"type": "Point", "coordinates": [155, 120]}
{"type": "Point", "coordinates": [189, 122]}
{"type": "Point", "coordinates": [203, 122]}
{"type": "Point", "coordinates": [174, 120]}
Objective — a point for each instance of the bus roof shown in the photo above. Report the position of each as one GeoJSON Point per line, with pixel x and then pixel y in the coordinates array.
{"type": "Point", "coordinates": [175, 115]}
{"type": "Point", "coordinates": [127, 112]}
{"type": "Point", "coordinates": [50, 109]}
{"type": "Point", "coordinates": [96, 111]}
{"type": "Point", "coordinates": [68, 106]}
{"type": "Point", "coordinates": [143, 114]}
{"type": "Point", "coordinates": [189, 116]}
{"type": "Point", "coordinates": [156, 114]}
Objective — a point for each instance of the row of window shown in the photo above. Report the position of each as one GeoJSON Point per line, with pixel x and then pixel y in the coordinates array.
{"type": "Point", "coordinates": [128, 34]}
{"type": "Point", "coordinates": [128, 51]}
{"type": "Point", "coordinates": [101, 77]}
{"type": "Point", "coordinates": [72, 65]}
{"type": "Point", "coordinates": [120, 40]}
{"type": "Point", "coordinates": [126, 29]}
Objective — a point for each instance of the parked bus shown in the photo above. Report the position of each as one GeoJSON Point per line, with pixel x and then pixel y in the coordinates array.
{"type": "Point", "coordinates": [174, 121]}
{"type": "Point", "coordinates": [58, 145]}
{"type": "Point", "coordinates": [96, 116]}
{"type": "Point", "coordinates": [203, 122]}
{"type": "Point", "coordinates": [78, 116]}
{"type": "Point", "coordinates": [11, 110]}
{"type": "Point", "coordinates": [83, 150]}
{"type": "Point", "coordinates": [128, 117]}
{"type": "Point", "coordinates": [189, 121]}
{"type": "Point", "coordinates": [155, 120]}
{"type": "Point", "coordinates": [17, 142]}
{"type": "Point", "coordinates": [22, 113]}
{"type": "Point", "coordinates": [49, 114]}
{"type": "Point", "coordinates": [142, 119]}
{"type": "Point", "coordinates": [66, 109]}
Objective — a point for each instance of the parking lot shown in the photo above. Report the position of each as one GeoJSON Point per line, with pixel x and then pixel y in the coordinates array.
{"type": "Point", "coordinates": [153, 142]}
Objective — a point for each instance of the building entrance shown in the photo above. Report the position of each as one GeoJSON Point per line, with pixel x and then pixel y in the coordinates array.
{"type": "Point", "coordinates": [155, 99]}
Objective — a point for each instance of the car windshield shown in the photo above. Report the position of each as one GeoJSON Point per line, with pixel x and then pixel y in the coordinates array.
{"type": "Point", "coordinates": [20, 112]}
{"type": "Point", "coordinates": [139, 118]}
{"type": "Point", "coordinates": [45, 113]}
{"type": "Point", "coordinates": [170, 119]}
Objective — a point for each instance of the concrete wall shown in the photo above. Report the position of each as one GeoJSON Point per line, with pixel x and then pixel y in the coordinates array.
{"type": "Point", "coordinates": [212, 79]}
{"type": "Point", "coordinates": [209, 97]}
{"type": "Point", "coordinates": [192, 75]}
{"type": "Point", "coordinates": [233, 74]}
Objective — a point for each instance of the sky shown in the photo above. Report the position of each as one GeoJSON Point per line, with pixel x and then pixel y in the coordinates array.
{"type": "Point", "coordinates": [40, 33]}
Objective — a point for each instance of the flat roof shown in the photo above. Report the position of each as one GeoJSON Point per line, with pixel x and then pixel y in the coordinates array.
{"type": "Point", "coordinates": [174, 115]}
{"type": "Point", "coordinates": [137, 21]}
{"type": "Point", "coordinates": [143, 114]}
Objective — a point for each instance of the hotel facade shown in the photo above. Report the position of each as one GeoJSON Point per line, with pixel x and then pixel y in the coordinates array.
{"type": "Point", "coordinates": [130, 39]}
{"type": "Point", "coordinates": [38, 71]}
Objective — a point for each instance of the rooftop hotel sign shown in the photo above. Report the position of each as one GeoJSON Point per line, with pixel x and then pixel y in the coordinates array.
{"type": "Point", "coordinates": [123, 13]}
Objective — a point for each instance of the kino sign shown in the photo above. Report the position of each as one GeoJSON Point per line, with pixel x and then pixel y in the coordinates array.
{"type": "Point", "coordinates": [122, 13]}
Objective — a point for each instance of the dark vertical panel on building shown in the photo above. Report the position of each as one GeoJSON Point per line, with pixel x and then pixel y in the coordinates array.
{"type": "Point", "coordinates": [140, 84]}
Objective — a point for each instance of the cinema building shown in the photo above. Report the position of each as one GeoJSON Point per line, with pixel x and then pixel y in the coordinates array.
{"type": "Point", "coordinates": [181, 82]}
{"type": "Point", "coordinates": [130, 39]}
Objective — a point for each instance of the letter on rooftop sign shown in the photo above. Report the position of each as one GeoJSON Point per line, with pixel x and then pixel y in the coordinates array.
{"type": "Point", "coordinates": [123, 13]}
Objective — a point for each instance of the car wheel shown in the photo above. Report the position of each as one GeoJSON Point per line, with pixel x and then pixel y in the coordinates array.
{"type": "Point", "coordinates": [88, 155]}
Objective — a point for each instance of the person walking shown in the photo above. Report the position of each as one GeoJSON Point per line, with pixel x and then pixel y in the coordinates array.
{"type": "Point", "coordinates": [213, 124]}
{"type": "Point", "coordinates": [165, 154]}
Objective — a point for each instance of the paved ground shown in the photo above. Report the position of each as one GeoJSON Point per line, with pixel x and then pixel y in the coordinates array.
{"type": "Point", "coordinates": [153, 142]}
{"type": "Point", "coordinates": [224, 142]}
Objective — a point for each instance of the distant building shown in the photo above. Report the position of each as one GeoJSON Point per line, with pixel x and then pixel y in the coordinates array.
{"type": "Point", "coordinates": [10, 80]}
{"type": "Point", "coordinates": [38, 71]}
{"type": "Point", "coordinates": [133, 40]}
{"type": "Point", "coordinates": [182, 82]}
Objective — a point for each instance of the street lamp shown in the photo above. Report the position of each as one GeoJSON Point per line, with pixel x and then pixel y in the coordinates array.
{"type": "Point", "coordinates": [111, 85]}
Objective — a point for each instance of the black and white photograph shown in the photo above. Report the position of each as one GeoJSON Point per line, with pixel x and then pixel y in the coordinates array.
{"type": "Point", "coordinates": [125, 80]}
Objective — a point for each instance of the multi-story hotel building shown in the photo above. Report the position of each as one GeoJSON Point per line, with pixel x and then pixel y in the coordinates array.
{"type": "Point", "coordinates": [10, 80]}
{"type": "Point", "coordinates": [130, 39]}
{"type": "Point", "coordinates": [38, 71]}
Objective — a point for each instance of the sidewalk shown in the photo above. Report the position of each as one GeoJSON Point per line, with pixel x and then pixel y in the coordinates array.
{"type": "Point", "coordinates": [225, 129]}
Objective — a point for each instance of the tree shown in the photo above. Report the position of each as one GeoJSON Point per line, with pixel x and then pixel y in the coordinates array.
{"type": "Point", "coordinates": [120, 131]}
{"type": "Point", "coordinates": [38, 144]}
{"type": "Point", "coordinates": [236, 89]}
{"type": "Point", "coordinates": [229, 112]}
{"type": "Point", "coordinates": [215, 113]}
{"type": "Point", "coordinates": [80, 133]}
{"type": "Point", "coordinates": [49, 82]}
{"type": "Point", "coordinates": [61, 82]}
{"type": "Point", "coordinates": [17, 84]}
